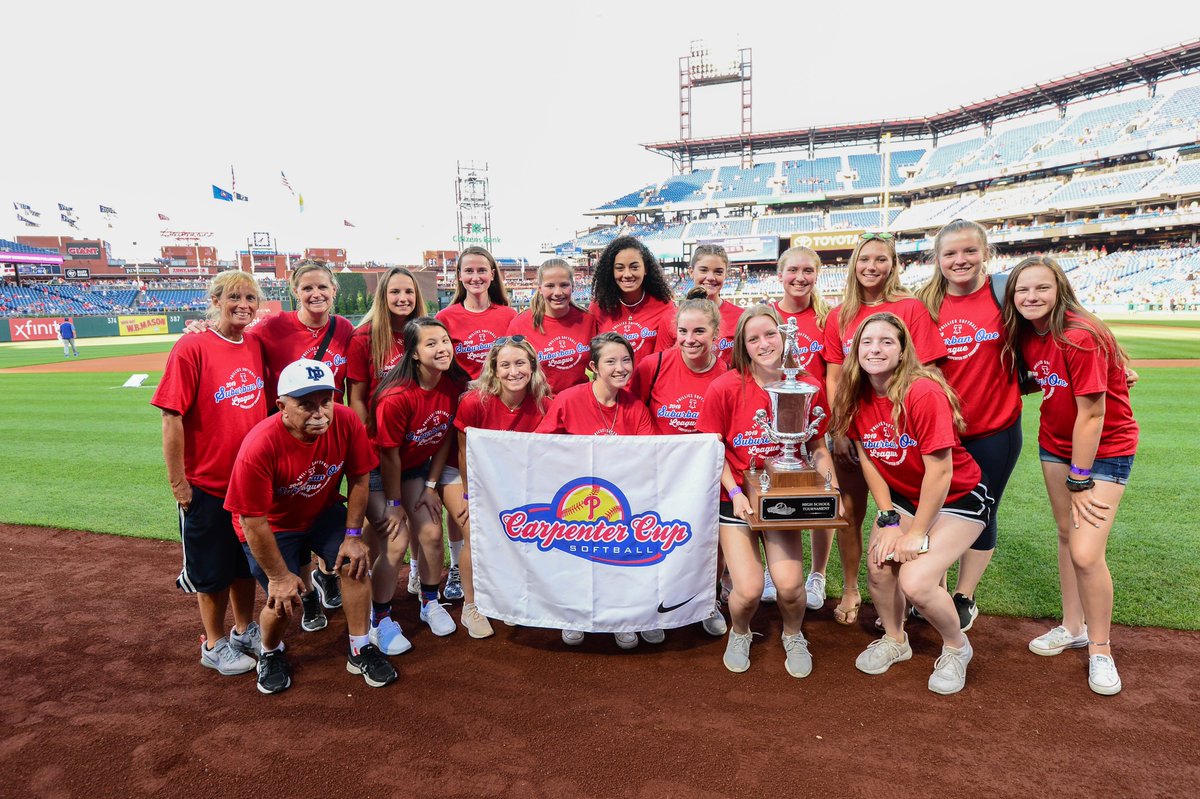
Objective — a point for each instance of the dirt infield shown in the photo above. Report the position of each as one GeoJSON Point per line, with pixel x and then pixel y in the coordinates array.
{"type": "Point", "coordinates": [103, 697]}
{"type": "Point", "coordinates": [1141, 363]}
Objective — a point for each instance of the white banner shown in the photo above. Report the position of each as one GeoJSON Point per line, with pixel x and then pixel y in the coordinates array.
{"type": "Point", "coordinates": [594, 533]}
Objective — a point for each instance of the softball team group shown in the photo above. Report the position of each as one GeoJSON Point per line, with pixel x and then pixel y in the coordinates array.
{"type": "Point", "coordinates": [923, 394]}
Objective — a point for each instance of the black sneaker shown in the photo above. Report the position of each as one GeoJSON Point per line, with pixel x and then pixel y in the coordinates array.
{"type": "Point", "coordinates": [372, 665]}
{"type": "Point", "coordinates": [966, 611]}
{"type": "Point", "coordinates": [314, 618]}
{"type": "Point", "coordinates": [274, 672]}
{"type": "Point", "coordinates": [329, 588]}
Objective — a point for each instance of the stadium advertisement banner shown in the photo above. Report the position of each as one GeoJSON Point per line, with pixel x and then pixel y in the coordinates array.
{"type": "Point", "coordinates": [594, 533]}
{"type": "Point", "coordinates": [33, 329]}
{"type": "Point", "coordinates": [832, 240]}
{"type": "Point", "coordinates": [87, 251]}
{"type": "Point", "coordinates": [748, 248]}
{"type": "Point", "coordinates": [77, 273]}
{"type": "Point", "coordinates": [143, 325]}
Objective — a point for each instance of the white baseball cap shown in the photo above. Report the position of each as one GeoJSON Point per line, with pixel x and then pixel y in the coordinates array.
{"type": "Point", "coordinates": [304, 377]}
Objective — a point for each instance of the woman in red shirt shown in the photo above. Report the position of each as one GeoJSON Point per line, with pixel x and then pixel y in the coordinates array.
{"type": "Point", "coordinates": [415, 404]}
{"type": "Point", "coordinates": [377, 346]}
{"type": "Point", "coordinates": [873, 286]}
{"type": "Point", "coordinates": [708, 270]}
{"type": "Point", "coordinates": [559, 330]}
{"type": "Point", "coordinates": [798, 270]}
{"type": "Point", "coordinates": [510, 394]}
{"type": "Point", "coordinates": [729, 410]}
{"type": "Point", "coordinates": [1087, 440]}
{"type": "Point", "coordinates": [479, 313]}
{"type": "Point", "coordinates": [602, 408]}
{"type": "Point", "coordinates": [673, 384]}
{"type": "Point", "coordinates": [630, 296]}
{"type": "Point", "coordinates": [904, 420]}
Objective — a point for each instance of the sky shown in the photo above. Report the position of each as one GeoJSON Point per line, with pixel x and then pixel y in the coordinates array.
{"type": "Point", "coordinates": [367, 107]}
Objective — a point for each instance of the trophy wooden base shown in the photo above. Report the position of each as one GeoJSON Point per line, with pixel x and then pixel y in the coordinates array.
{"type": "Point", "coordinates": [792, 500]}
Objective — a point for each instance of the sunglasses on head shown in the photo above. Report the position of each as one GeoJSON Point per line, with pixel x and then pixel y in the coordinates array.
{"type": "Point", "coordinates": [517, 339]}
{"type": "Point", "coordinates": [880, 236]}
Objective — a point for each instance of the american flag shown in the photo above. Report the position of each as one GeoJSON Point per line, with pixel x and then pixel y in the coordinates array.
{"type": "Point", "coordinates": [283, 179]}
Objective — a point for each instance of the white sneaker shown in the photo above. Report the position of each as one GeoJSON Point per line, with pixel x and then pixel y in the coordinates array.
{"type": "Point", "coordinates": [626, 640]}
{"type": "Point", "coordinates": [476, 623]}
{"type": "Point", "coordinates": [389, 639]}
{"type": "Point", "coordinates": [879, 655]}
{"type": "Point", "coordinates": [1102, 675]}
{"type": "Point", "coordinates": [228, 661]}
{"type": "Point", "coordinates": [737, 651]}
{"type": "Point", "coordinates": [715, 624]}
{"type": "Point", "coordinates": [769, 594]}
{"type": "Point", "coordinates": [814, 587]}
{"type": "Point", "coordinates": [573, 637]}
{"type": "Point", "coordinates": [439, 620]}
{"type": "Point", "coordinates": [655, 636]}
{"type": "Point", "coordinates": [414, 579]}
{"type": "Point", "coordinates": [797, 659]}
{"type": "Point", "coordinates": [950, 670]}
{"type": "Point", "coordinates": [1058, 639]}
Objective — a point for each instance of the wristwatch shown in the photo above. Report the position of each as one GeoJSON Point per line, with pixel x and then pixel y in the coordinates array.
{"type": "Point", "coordinates": [888, 518]}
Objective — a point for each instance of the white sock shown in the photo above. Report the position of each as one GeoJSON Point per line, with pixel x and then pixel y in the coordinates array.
{"type": "Point", "coordinates": [455, 548]}
{"type": "Point", "coordinates": [357, 642]}
{"type": "Point", "coordinates": [266, 651]}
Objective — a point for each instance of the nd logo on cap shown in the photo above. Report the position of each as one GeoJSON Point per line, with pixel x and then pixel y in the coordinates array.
{"type": "Point", "coordinates": [304, 377]}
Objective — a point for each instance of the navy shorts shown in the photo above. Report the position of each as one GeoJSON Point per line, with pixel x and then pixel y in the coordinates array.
{"type": "Point", "coordinates": [324, 538]}
{"type": "Point", "coordinates": [977, 505]}
{"type": "Point", "coordinates": [212, 555]}
{"type": "Point", "coordinates": [1110, 470]}
{"type": "Point", "coordinates": [997, 456]}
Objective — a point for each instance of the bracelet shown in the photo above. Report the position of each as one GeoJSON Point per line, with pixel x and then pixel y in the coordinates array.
{"type": "Point", "coordinates": [1081, 472]}
{"type": "Point", "coordinates": [393, 503]}
{"type": "Point", "coordinates": [733, 492]}
{"type": "Point", "coordinates": [1076, 486]}
{"type": "Point", "coordinates": [430, 484]}
{"type": "Point", "coordinates": [466, 495]}
{"type": "Point", "coordinates": [353, 532]}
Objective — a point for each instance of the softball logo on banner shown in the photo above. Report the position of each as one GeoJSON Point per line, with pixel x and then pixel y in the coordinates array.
{"type": "Point", "coordinates": [594, 533]}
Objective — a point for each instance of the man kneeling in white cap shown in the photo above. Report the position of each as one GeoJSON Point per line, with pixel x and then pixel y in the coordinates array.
{"type": "Point", "coordinates": [284, 498]}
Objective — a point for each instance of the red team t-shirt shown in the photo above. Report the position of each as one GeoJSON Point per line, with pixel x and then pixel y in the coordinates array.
{"type": "Point", "coordinates": [971, 329]}
{"type": "Point", "coordinates": [415, 420]}
{"type": "Point", "coordinates": [286, 339]}
{"type": "Point", "coordinates": [292, 482]}
{"type": "Point", "coordinates": [810, 339]}
{"type": "Point", "coordinates": [728, 411]}
{"type": "Point", "coordinates": [564, 349]}
{"type": "Point", "coordinates": [493, 414]}
{"type": "Point", "coordinates": [474, 332]}
{"type": "Point", "coordinates": [360, 366]}
{"type": "Point", "coordinates": [218, 387]}
{"type": "Point", "coordinates": [577, 412]}
{"type": "Point", "coordinates": [929, 427]}
{"type": "Point", "coordinates": [677, 395]}
{"type": "Point", "coordinates": [730, 314]}
{"type": "Point", "coordinates": [641, 325]}
{"type": "Point", "coordinates": [925, 336]}
{"type": "Point", "coordinates": [1065, 372]}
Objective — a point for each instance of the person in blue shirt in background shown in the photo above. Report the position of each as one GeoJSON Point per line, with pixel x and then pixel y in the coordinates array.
{"type": "Point", "coordinates": [66, 332]}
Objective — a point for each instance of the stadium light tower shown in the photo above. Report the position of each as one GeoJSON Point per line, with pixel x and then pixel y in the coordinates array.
{"type": "Point", "coordinates": [697, 71]}
{"type": "Point", "coordinates": [474, 206]}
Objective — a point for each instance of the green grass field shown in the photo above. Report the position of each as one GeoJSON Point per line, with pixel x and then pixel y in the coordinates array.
{"type": "Point", "coordinates": [82, 453]}
{"type": "Point", "coordinates": [13, 356]}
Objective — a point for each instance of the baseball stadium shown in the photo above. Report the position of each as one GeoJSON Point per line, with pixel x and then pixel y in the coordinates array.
{"type": "Point", "coordinates": [1099, 170]}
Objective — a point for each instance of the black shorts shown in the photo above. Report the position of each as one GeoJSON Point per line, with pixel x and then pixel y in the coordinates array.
{"type": "Point", "coordinates": [726, 518]}
{"type": "Point", "coordinates": [323, 538]}
{"type": "Point", "coordinates": [212, 555]}
{"type": "Point", "coordinates": [997, 456]}
{"type": "Point", "coordinates": [976, 505]}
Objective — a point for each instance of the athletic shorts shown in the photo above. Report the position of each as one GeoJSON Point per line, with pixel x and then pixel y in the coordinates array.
{"type": "Point", "coordinates": [212, 555]}
{"type": "Point", "coordinates": [450, 475]}
{"type": "Point", "coordinates": [977, 505]}
{"type": "Point", "coordinates": [726, 518]}
{"type": "Point", "coordinates": [1110, 470]}
{"type": "Point", "coordinates": [324, 538]}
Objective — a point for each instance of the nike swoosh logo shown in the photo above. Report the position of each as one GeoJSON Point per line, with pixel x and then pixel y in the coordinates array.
{"type": "Point", "coordinates": [664, 609]}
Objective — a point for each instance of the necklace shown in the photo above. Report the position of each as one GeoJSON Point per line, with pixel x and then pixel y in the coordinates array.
{"type": "Point", "coordinates": [877, 302]}
{"type": "Point", "coordinates": [609, 425]}
{"type": "Point", "coordinates": [712, 361]}
{"type": "Point", "coordinates": [633, 304]}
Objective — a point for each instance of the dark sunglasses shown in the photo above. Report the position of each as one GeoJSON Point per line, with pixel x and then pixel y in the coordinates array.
{"type": "Point", "coordinates": [517, 339]}
{"type": "Point", "coordinates": [880, 236]}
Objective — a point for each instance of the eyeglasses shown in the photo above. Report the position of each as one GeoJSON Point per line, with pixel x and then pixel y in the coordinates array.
{"type": "Point", "coordinates": [517, 339]}
{"type": "Point", "coordinates": [880, 236]}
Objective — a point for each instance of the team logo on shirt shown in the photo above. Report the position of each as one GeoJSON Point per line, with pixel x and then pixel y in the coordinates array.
{"type": "Point", "coordinates": [430, 431]}
{"type": "Point", "coordinates": [635, 333]}
{"type": "Point", "coordinates": [682, 413]}
{"type": "Point", "coordinates": [758, 446]}
{"type": "Point", "coordinates": [243, 389]}
{"type": "Point", "coordinates": [562, 352]}
{"type": "Point", "coordinates": [881, 443]}
{"type": "Point", "coordinates": [1047, 379]}
{"type": "Point", "coordinates": [332, 359]}
{"type": "Point", "coordinates": [962, 338]}
{"type": "Point", "coordinates": [476, 345]}
{"type": "Point", "coordinates": [807, 349]}
{"type": "Point", "coordinates": [590, 518]}
{"type": "Point", "coordinates": [312, 480]}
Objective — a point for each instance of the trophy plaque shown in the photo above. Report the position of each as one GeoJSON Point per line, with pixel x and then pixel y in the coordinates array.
{"type": "Point", "coordinates": [787, 493]}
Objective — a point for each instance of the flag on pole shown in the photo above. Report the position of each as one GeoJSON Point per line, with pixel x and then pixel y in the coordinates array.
{"type": "Point", "coordinates": [164, 217]}
{"type": "Point", "coordinates": [104, 209]}
{"type": "Point", "coordinates": [301, 203]}
{"type": "Point", "coordinates": [221, 194]}
{"type": "Point", "coordinates": [31, 211]}
{"type": "Point", "coordinates": [28, 222]}
{"type": "Point", "coordinates": [347, 223]}
{"type": "Point", "coordinates": [21, 207]}
{"type": "Point", "coordinates": [69, 221]}
{"type": "Point", "coordinates": [241, 197]}
{"type": "Point", "coordinates": [66, 208]}
{"type": "Point", "coordinates": [283, 179]}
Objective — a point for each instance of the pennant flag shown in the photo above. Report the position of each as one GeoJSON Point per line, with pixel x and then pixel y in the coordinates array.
{"type": "Point", "coordinates": [69, 221]}
{"type": "Point", "coordinates": [347, 223]}
{"type": "Point", "coordinates": [283, 179]}
{"type": "Point", "coordinates": [164, 217]}
{"type": "Point", "coordinates": [104, 209]}
{"type": "Point", "coordinates": [31, 211]}
{"type": "Point", "coordinates": [241, 197]}
{"type": "Point", "coordinates": [28, 222]}
{"type": "Point", "coordinates": [221, 194]}
{"type": "Point", "coordinates": [301, 203]}
{"type": "Point", "coordinates": [21, 207]}
{"type": "Point", "coordinates": [66, 208]}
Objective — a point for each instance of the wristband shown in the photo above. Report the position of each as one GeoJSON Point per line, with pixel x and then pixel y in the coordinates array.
{"type": "Point", "coordinates": [430, 484]}
{"type": "Point", "coordinates": [1075, 486]}
{"type": "Point", "coordinates": [466, 495]}
{"type": "Point", "coordinates": [353, 532]}
{"type": "Point", "coordinates": [1085, 473]}
{"type": "Point", "coordinates": [733, 492]}
{"type": "Point", "coordinates": [888, 518]}
{"type": "Point", "coordinates": [393, 503]}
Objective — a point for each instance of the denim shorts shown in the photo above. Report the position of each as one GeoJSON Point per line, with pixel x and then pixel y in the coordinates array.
{"type": "Point", "coordinates": [1111, 470]}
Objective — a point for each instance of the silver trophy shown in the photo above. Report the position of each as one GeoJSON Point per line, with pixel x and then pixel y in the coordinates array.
{"type": "Point", "coordinates": [793, 420]}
